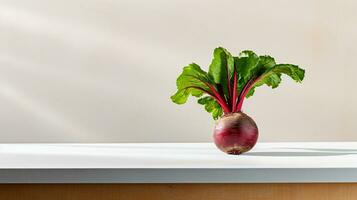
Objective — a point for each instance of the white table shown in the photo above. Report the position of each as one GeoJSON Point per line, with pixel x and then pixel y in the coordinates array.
{"type": "Point", "coordinates": [177, 163]}
{"type": "Point", "coordinates": [271, 171]}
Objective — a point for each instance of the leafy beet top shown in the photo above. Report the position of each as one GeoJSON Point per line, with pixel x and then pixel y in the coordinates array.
{"type": "Point", "coordinates": [230, 79]}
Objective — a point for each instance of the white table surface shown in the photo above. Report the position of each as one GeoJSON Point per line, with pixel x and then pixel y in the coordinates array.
{"type": "Point", "coordinates": [177, 163]}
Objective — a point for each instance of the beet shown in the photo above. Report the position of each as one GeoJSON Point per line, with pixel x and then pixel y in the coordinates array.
{"type": "Point", "coordinates": [235, 133]}
{"type": "Point", "coordinates": [222, 90]}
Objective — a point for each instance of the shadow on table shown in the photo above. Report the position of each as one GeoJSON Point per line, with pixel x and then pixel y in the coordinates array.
{"type": "Point", "coordinates": [297, 154]}
{"type": "Point", "coordinates": [326, 149]}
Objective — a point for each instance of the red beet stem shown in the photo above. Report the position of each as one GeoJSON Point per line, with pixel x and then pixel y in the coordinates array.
{"type": "Point", "coordinates": [234, 95]}
{"type": "Point", "coordinates": [244, 93]}
{"type": "Point", "coordinates": [219, 99]}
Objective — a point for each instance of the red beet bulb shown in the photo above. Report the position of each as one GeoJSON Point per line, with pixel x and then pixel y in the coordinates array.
{"type": "Point", "coordinates": [235, 133]}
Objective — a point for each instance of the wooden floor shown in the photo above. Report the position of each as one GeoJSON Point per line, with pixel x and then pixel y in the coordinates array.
{"type": "Point", "coordinates": [340, 191]}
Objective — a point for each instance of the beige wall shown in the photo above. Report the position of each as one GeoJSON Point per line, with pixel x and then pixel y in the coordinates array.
{"type": "Point", "coordinates": [103, 70]}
